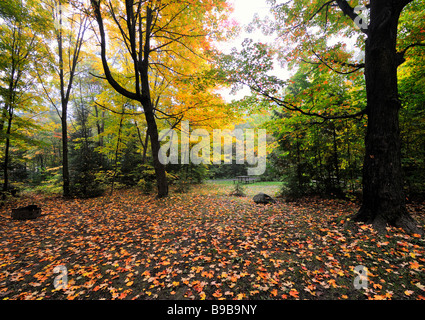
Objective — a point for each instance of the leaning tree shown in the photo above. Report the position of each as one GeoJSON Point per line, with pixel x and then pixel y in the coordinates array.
{"type": "Point", "coordinates": [152, 33]}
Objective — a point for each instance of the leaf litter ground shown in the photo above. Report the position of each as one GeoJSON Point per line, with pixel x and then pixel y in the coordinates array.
{"type": "Point", "coordinates": [204, 245]}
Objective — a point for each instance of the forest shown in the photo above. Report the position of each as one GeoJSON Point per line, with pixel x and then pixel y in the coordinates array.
{"type": "Point", "coordinates": [91, 90]}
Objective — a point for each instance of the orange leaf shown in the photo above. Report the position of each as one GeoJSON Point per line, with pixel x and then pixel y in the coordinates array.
{"type": "Point", "coordinates": [217, 294]}
{"type": "Point", "coordinates": [408, 292]}
{"type": "Point", "coordinates": [293, 293]}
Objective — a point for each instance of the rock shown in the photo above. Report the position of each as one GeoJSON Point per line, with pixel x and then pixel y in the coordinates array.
{"type": "Point", "coordinates": [263, 198]}
{"type": "Point", "coordinates": [25, 213]}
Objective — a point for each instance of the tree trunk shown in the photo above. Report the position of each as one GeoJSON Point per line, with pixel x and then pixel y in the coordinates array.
{"type": "Point", "coordinates": [299, 172]}
{"type": "Point", "coordinates": [144, 144]}
{"type": "Point", "coordinates": [337, 183]}
{"type": "Point", "coordinates": [7, 152]}
{"type": "Point", "coordinates": [100, 129]}
{"type": "Point", "coordinates": [3, 117]}
{"type": "Point", "coordinates": [383, 194]}
{"type": "Point", "coordinates": [64, 115]}
{"type": "Point", "coordinates": [148, 107]}
{"type": "Point", "coordinates": [65, 161]}
{"type": "Point", "coordinates": [161, 178]}
{"type": "Point", "coordinates": [141, 67]}
{"type": "Point", "coordinates": [65, 89]}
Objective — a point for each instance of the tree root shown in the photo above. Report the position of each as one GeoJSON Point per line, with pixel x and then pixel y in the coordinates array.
{"type": "Point", "coordinates": [380, 222]}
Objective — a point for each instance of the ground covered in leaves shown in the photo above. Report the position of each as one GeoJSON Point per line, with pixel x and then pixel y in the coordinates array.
{"type": "Point", "coordinates": [204, 245]}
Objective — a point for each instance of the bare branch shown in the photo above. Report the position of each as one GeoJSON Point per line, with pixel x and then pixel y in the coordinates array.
{"type": "Point", "coordinates": [356, 66]}
{"type": "Point", "coordinates": [116, 112]}
{"type": "Point", "coordinates": [98, 16]}
{"type": "Point", "coordinates": [292, 107]}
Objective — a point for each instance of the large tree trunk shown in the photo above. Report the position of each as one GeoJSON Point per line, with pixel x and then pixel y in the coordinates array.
{"type": "Point", "coordinates": [142, 85]}
{"type": "Point", "coordinates": [161, 178]}
{"type": "Point", "coordinates": [148, 107]}
{"type": "Point", "coordinates": [383, 194]}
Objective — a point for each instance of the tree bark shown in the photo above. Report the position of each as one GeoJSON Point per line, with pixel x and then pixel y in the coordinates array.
{"type": "Point", "coordinates": [383, 194]}
{"type": "Point", "coordinates": [64, 115]}
{"type": "Point", "coordinates": [143, 66]}
{"type": "Point", "coordinates": [142, 86]}
{"type": "Point", "coordinates": [161, 177]}
{"type": "Point", "coordinates": [7, 152]}
{"type": "Point", "coordinates": [65, 89]}
{"type": "Point", "coordinates": [65, 161]}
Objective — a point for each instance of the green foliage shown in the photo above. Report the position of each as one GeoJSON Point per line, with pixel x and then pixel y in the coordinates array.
{"type": "Point", "coordinates": [226, 171]}
{"type": "Point", "coordinates": [182, 186]}
{"type": "Point", "coordinates": [85, 166]}
{"type": "Point", "coordinates": [131, 169]}
{"type": "Point", "coordinates": [412, 125]}
{"type": "Point", "coordinates": [319, 156]}
{"type": "Point", "coordinates": [146, 186]}
{"type": "Point", "coordinates": [88, 184]}
{"type": "Point", "coordinates": [147, 179]}
{"type": "Point", "coordinates": [51, 182]}
{"type": "Point", "coordinates": [184, 176]}
{"type": "Point", "coordinates": [190, 173]}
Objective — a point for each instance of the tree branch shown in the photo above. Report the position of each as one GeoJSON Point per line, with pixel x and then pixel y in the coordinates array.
{"type": "Point", "coordinates": [98, 16]}
{"type": "Point", "coordinates": [400, 55]}
{"type": "Point", "coordinates": [116, 112]}
{"type": "Point", "coordinates": [47, 94]}
{"type": "Point", "coordinates": [291, 107]}
{"type": "Point", "coordinates": [349, 11]}
{"type": "Point", "coordinates": [356, 66]}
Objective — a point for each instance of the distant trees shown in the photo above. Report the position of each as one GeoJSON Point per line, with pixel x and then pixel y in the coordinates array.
{"type": "Point", "coordinates": [316, 155]}
{"type": "Point", "coordinates": [59, 105]}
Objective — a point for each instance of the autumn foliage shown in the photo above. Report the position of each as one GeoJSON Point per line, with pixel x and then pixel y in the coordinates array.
{"type": "Point", "coordinates": [109, 76]}
{"type": "Point", "coordinates": [204, 245]}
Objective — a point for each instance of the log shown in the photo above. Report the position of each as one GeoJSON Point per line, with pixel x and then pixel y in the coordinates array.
{"type": "Point", "coordinates": [26, 213]}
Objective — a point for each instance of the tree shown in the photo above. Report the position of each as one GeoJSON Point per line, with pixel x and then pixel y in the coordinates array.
{"type": "Point", "coordinates": [383, 195]}
{"type": "Point", "coordinates": [69, 36]}
{"type": "Point", "coordinates": [318, 156]}
{"type": "Point", "coordinates": [412, 125]}
{"type": "Point", "coordinates": [309, 33]}
{"type": "Point", "coordinates": [85, 162]}
{"type": "Point", "coordinates": [20, 40]}
{"type": "Point", "coordinates": [154, 33]}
